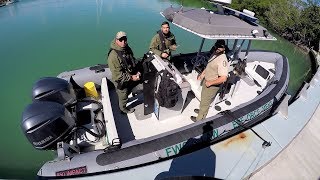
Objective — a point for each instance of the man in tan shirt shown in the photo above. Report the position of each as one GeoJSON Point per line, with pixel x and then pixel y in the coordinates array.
{"type": "Point", "coordinates": [213, 76]}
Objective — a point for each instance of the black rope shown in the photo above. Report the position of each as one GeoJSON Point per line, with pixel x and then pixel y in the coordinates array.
{"type": "Point", "coordinates": [90, 132]}
{"type": "Point", "coordinates": [101, 130]}
{"type": "Point", "coordinates": [264, 144]}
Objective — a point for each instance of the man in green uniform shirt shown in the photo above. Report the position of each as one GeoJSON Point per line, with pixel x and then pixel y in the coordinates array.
{"type": "Point", "coordinates": [163, 42]}
{"type": "Point", "coordinates": [213, 76]}
{"type": "Point", "coordinates": [123, 68]}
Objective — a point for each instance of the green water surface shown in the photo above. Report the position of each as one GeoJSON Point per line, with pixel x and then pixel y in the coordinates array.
{"type": "Point", "coordinates": [44, 38]}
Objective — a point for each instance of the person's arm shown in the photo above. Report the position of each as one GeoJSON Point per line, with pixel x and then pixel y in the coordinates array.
{"type": "Point", "coordinates": [201, 76]}
{"type": "Point", "coordinates": [118, 73]}
{"type": "Point", "coordinates": [155, 44]}
{"type": "Point", "coordinates": [135, 77]}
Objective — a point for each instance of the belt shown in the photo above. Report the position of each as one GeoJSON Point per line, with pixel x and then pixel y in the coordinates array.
{"type": "Point", "coordinates": [215, 85]}
{"type": "Point", "coordinates": [203, 80]}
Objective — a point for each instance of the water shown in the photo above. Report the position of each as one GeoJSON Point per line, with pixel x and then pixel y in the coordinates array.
{"type": "Point", "coordinates": [44, 38]}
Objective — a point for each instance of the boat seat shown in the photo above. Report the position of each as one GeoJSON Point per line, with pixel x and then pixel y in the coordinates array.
{"type": "Point", "coordinates": [258, 74]}
{"type": "Point", "coordinates": [112, 137]}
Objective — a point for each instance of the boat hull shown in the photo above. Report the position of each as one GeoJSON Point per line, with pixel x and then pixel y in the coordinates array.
{"type": "Point", "coordinates": [161, 149]}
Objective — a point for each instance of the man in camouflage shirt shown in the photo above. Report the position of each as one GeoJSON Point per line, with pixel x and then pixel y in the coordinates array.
{"type": "Point", "coordinates": [123, 68]}
{"type": "Point", "coordinates": [163, 42]}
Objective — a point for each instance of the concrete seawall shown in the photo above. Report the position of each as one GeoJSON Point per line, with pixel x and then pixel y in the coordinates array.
{"type": "Point", "coordinates": [301, 158]}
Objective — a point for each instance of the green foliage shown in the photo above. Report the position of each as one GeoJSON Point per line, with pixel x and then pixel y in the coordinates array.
{"type": "Point", "coordinates": [310, 18]}
{"type": "Point", "coordinates": [260, 7]}
{"type": "Point", "coordinates": [297, 20]}
{"type": "Point", "coordinates": [283, 14]}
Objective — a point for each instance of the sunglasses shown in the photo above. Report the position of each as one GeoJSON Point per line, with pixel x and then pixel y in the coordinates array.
{"type": "Point", "coordinates": [124, 38]}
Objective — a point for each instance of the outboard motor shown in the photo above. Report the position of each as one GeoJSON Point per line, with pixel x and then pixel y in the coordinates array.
{"type": "Point", "coordinates": [53, 89]}
{"type": "Point", "coordinates": [45, 123]}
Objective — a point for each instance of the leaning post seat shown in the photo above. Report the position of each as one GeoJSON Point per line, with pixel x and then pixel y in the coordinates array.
{"type": "Point", "coordinates": [111, 130]}
{"type": "Point", "coordinates": [163, 112]}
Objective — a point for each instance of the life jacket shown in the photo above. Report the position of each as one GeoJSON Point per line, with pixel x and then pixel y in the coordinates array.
{"type": "Point", "coordinates": [168, 90]}
{"type": "Point", "coordinates": [128, 61]}
{"type": "Point", "coordinates": [163, 43]}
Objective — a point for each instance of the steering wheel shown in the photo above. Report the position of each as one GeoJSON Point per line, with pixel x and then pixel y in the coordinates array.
{"type": "Point", "coordinates": [198, 60]}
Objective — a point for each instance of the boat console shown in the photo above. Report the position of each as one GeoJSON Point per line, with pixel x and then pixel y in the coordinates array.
{"type": "Point", "coordinates": [161, 67]}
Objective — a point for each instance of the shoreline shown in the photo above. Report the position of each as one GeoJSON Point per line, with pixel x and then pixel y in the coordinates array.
{"type": "Point", "coordinates": [303, 48]}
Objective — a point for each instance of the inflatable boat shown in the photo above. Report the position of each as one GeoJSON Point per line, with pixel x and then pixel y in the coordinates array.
{"type": "Point", "coordinates": [76, 114]}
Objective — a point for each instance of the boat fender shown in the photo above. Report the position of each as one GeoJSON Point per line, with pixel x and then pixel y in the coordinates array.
{"type": "Point", "coordinates": [167, 94]}
{"type": "Point", "coordinates": [248, 12]}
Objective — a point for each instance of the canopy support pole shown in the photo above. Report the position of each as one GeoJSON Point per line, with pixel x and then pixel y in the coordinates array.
{"type": "Point", "coordinates": [234, 45]}
{"type": "Point", "coordinates": [200, 49]}
{"type": "Point", "coordinates": [247, 51]}
{"type": "Point", "coordinates": [234, 49]}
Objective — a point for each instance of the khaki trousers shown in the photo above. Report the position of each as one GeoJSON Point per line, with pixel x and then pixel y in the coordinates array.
{"type": "Point", "coordinates": [207, 95]}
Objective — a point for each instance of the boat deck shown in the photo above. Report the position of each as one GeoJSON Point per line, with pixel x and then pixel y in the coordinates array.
{"type": "Point", "coordinates": [130, 128]}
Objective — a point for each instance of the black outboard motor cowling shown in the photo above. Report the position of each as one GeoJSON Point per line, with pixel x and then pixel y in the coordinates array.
{"type": "Point", "coordinates": [45, 123]}
{"type": "Point", "coordinates": [53, 89]}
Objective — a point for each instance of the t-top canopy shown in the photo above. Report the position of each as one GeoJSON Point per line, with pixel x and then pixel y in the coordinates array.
{"type": "Point", "coordinates": [230, 24]}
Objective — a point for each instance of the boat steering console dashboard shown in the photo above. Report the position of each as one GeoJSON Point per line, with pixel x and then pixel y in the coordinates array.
{"type": "Point", "coordinates": [176, 85]}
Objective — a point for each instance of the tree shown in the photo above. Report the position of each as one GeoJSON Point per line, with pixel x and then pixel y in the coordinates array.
{"type": "Point", "coordinates": [310, 17]}
{"type": "Point", "coordinates": [260, 7]}
{"type": "Point", "coordinates": [284, 14]}
{"type": "Point", "coordinates": [296, 20]}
